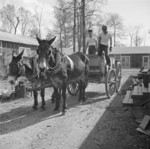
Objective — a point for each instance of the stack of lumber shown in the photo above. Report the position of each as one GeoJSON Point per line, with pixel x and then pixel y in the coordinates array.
{"type": "Point", "coordinates": [144, 125]}
{"type": "Point", "coordinates": [139, 93]}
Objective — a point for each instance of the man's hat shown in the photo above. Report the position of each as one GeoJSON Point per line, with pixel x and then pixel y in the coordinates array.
{"type": "Point", "coordinates": [104, 27]}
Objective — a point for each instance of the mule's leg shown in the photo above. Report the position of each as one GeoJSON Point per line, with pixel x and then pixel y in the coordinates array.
{"type": "Point", "coordinates": [64, 97]}
{"type": "Point", "coordinates": [43, 98]}
{"type": "Point", "coordinates": [53, 97]}
{"type": "Point", "coordinates": [57, 104]}
{"type": "Point", "coordinates": [80, 90]}
{"type": "Point", "coordinates": [83, 91]}
{"type": "Point", "coordinates": [35, 93]}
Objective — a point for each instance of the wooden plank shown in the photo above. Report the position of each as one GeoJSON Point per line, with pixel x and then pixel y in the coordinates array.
{"type": "Point", "coordinates": [130, 101]}
{"type": "Point", "coordinates": [127, 97]}
{"type": "Point", "coordinates": [144, 89]}
{"type": "Point", "coordinates": [145, 122]}
{"type": "Point", "coordinates": [135, 91]}
{"type": "Point", "coordinates": [145, 70]}
{"type": "Point", "coordinates": [140, 90]}
{"type": "Point", "coordinates": [146, 132]}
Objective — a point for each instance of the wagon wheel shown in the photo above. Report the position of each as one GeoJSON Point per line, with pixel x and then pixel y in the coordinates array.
{"type": "Point", "coordinates": [73, 88]}
{"type": "Point", "coordinates": [118, 76]}
{"type": "Point", "coordinates": [110, 82]}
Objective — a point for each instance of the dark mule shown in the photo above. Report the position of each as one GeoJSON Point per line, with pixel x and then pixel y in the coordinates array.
{"type": "Point", "coordinates": [30, 70]}
{"type": "Point", "coordinates": [61, 69]}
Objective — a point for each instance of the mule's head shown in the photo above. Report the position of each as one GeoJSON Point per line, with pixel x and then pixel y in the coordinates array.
{"type": "Point", "coordinates": [45, 52]}
{"type": "Point", "coordinates": [14, 68]}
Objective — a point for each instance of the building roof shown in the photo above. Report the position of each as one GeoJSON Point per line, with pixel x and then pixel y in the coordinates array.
{"type": "Point", "coordinates": [131, 50]}
{"type": "Point", "coordinates": [17, 39]}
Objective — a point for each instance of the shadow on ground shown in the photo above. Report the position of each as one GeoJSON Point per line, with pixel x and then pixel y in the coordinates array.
{"type": "Point", "coordinates": [116, 128]}
{"type": "Point", "coordinates": [23, 116]}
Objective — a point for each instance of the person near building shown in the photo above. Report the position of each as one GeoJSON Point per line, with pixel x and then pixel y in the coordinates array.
{"type": "Point", "coordinates": [104, 40]}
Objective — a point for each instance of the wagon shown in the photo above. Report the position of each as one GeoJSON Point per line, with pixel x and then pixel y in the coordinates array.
{"type": "Point", "coordinates": [100, 73]}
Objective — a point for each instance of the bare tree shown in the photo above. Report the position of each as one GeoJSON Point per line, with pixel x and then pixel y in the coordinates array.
{"type": "Point", "coordinates": [38, 19]}
{"type": "Point", "coordinates": [116, 23]}
{"type": "Point", "coordinates": [138, 39]}
{"type": "Point", "coordinates": [26, 21]}
{"type": "Point", "coordinates": [74, 28]}
{"type": "Point", "coordinates": [134, 34]}
{"type": "Point", "coordinates": [83, 23]}
{"type": "Point", "coordinates": [131, 32]}
{"type": "Point", "coordinates": [63, 25]}
{"type": "Point", "coordinates": [70, 24]}
{"type": "Point", "coordinates": [9, 18]}
{"type": "Point", "coordinates": [33, 32]}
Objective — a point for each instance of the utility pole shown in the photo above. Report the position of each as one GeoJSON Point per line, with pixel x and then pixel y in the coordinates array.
{"type": "Point", "coordinates": [83, 21]}
{"type": "Point", "coordinates": [74, 28]}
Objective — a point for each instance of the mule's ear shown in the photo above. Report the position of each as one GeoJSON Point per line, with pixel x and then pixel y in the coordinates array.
{"type": "Point", "coordinates": [38, 39]}
{"type": "Point", "coordinates": [51, 41]}
{"type": "Point", "coordinates": [19, 57]}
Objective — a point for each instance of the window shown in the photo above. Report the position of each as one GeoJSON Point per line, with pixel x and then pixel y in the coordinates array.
{"type": "Point", "coordinates": [125, 61]}
{"type": "Point", "coordinates": [1, 50]}
{"type": "Point", "coordinates": [146, 62]}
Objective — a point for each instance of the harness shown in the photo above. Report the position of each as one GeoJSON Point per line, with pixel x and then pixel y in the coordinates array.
{"type": "Point", "coordinates": [57, 67]}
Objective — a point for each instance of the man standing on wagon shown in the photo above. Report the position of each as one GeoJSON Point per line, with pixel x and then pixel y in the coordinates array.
{"type": "Point", "coordinates": [103, 43]}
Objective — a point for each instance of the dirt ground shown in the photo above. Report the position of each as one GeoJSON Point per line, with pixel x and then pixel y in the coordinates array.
{"type": "Point", "coordinates": [100, 123]}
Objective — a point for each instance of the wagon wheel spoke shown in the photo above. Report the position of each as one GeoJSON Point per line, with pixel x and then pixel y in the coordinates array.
{"type": "Point", "coordinates": [73, 88]}
{"type": "Point", "coordinates": [118, 76]}
{"type": "Point", "coordinates": [110, 84]}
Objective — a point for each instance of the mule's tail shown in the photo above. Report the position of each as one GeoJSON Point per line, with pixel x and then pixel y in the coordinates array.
{"type": "Point", "coordinates": [83, 57]}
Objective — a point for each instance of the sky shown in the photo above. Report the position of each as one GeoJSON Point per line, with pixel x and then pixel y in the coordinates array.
{"type": "Point", "coordinates": [133, 12]}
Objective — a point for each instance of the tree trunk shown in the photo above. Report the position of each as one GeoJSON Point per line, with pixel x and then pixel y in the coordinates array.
{"type": "Point", "coordinates": [114, 36]}
{"type": "Point", "coordinates": [131, 41]}
{"type": "Point", "coordinates": [60, 42]}
{"type": "Point", "coordinates": [83, 24]}
{"type": "Point", "coordinates": [74, 28]}
{"type": "Point", "coordinates": [79, 30]}
{"type": "Point", "coordinates": [65, 36]}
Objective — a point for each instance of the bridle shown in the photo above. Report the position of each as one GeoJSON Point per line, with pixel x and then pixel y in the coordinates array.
{"type": "Point", "coordinates": [22, 68]}
{"type": "Point", "coordinates": [57, 60]}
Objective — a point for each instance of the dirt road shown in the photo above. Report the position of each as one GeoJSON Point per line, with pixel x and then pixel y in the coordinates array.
{"type": "Point", "coordinates": [100, 123]}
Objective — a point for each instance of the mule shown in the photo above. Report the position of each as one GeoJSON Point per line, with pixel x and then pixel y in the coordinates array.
{"type": "Point", "coordinates": [61, 69]}
{"type": "Point", "coordinates": [18, 68]}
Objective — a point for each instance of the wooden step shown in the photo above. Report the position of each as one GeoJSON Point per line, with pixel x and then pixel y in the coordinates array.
{"type": "Point", "coordinates": [146, 90]}
{"type": "Point", "coordinates": [127, 99]}
{"type": "Point", "coordinates": [137, 92]}
{"type": "Point", "coordinates": [145, 122]}
{"type": "Point", "coordinates": [145, 70]}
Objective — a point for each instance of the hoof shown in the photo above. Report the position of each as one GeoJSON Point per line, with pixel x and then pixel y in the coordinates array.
{"type": "Point", "coordinates": [84, 100]}
{"type": "Point", "coordinates": [34, 108]}
{"type": "Point", "coordinates": [43, 108]}
{"type": "Point", "coordinates": [52, 101]}
{"type": "Point", "coordinates": [63, 112]}
{"type": "Point", "coordinates": [56, 109]}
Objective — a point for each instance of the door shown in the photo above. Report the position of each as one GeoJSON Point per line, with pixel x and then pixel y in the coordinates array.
{"type": "Point", "coordinates": [146, 62]}
{"type": "Point", "coordinates": [125, 61]}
